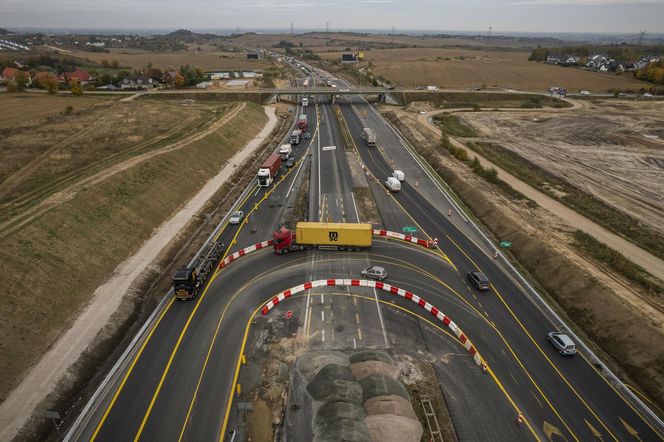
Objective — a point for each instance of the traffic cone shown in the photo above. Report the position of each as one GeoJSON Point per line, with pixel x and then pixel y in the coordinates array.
{"type": "Point", "coordinates": [519, 419]}
{"type": "Point", "coordinates": [484, 368]}
{"type": "Point", "coordinates": [495, 255]}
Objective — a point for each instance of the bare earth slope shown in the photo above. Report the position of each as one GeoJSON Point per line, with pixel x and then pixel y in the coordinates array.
{"type": "Point", "coordinates": [55, 263]}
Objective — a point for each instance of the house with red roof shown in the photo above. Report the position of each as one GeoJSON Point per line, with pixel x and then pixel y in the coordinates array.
{"type": "Point", "coordinates": [79, 76]}
{"type": "Point", "coordinates": [8, 75]}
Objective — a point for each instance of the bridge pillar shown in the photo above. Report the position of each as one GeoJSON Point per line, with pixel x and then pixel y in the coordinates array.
{"type": "Point", "coordinates": [389, 99]}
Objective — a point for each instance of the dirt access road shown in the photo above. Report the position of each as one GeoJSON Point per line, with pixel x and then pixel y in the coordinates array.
{"type": "Point", "coordinates": [651, 263]}
{"type": "Point", "coordinates": [611, 149]}
{"type": "Point", "coordinates": [69, 193]}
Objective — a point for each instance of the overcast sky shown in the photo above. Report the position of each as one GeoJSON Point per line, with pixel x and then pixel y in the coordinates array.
{"type": "Point", "coordinates": [604, 16]}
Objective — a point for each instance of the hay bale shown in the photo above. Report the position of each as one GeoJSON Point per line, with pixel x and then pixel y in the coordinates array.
{"type": "Point", "coordinates": [371, 355]}
{"type": "Point", "coordinates": [310, 363]}
{"type": "Point", "coordinates": [335, 410]}
{"type": "Point", "coordinates": [325, 390]}
{"type": "Point", "coordinates": [342, 430]}
{"type": "Point", "coordinates": [392, 404]}
{"type": "Point", "coordinates": [391, 428]}
{"type": "Point", "coordinates": [379, 385]}
{"type": "Point", "coordinates": [363, 369]}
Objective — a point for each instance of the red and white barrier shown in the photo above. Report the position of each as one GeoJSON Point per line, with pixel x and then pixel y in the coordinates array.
{"type": "Point", "coordinates": [240, 253]}
{"type": "Point", "coordinates": [381, 286]}
{"type": "Point", "coordinates": [401, 236]}
{"type": "Point", "coordinates": [376, 232]}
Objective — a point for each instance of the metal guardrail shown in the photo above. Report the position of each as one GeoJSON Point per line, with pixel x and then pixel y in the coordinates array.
{"type": "Point", "coordinates": [118, 368]}
{"type": "Point", "coordinates": [557, 321]}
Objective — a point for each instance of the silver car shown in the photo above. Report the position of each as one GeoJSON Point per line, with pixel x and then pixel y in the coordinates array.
{"type": "Point", "coordinates": [562, 343]}
{"type": "Point", "coordinates": [236, 217]}
{"type": "Point", "coordinates": [375, 272]}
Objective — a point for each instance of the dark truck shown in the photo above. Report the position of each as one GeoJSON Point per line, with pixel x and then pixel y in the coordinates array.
{"type": "Point", "coordinates": [189, 281]}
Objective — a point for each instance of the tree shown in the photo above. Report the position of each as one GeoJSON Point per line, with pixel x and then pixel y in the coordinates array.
{"type": "Point", "coordinates": [19, 83]}
{"type": "Point", "coordinates": [193, 75]}
{"type": "Point", "coordinates": [539, 54]}
{"type": "Point", "coordinates": [47, 81]}
{"type": "Point", "coordinates": [105, 63]}
{"type": "Point", "coordinates": [75, 87]}
{"type": "Point", "coordinates": [115, 64]}
{"type": "Point", "coordinates": [180, 81]}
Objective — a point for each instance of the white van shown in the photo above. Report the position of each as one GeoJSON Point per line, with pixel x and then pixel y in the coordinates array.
{"type": "Point", "coordinates": [393, 184]}
{"type": "Point", "coordinates": [398, 175]}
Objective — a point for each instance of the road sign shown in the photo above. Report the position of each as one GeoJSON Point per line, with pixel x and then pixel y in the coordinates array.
{"type": "Point", "coordinates": [409, 229]}
{"type": "Point", "coordinates": [329, 148]}
{"type": "Point", "coordinates": [289, 314]}
{"type": "Point", "coordinates": [505, 244]}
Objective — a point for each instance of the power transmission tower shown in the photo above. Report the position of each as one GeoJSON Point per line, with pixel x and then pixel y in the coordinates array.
{"type": "Point", "coordinates": [392, 34]}
{"type": "Point", "coordinates": [327, 33]}
{"type": "Point", "coordinates": [642, 35]}
{"type": "Point", "coordinates": [237, 30]}
{"type": "Point", "coordinates": [490, 30]}
{"type": "Point", "coordinates": [291, 29]}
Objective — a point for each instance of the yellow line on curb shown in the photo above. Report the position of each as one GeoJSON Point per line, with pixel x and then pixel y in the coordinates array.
{"type": "Point", "coordinates": [131, 367]}
{"type": "Point", "coordinates": [444, 331]}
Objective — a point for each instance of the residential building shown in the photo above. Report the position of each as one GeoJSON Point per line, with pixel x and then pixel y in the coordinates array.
{"type": "Point", "coordinates": [137, 82]}
{"type": "Point", "coordinates": [80, 76]}
{"type": "Point", "coordinates": [553, 58]}
{"type": "Point", "coordinates": [8, 76]}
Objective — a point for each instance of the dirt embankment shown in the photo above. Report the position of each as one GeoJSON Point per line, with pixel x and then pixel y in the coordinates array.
{"type": "Point", "coordinates": [56, 262]}
{"type": "Point", "coordinates": [607, 309]}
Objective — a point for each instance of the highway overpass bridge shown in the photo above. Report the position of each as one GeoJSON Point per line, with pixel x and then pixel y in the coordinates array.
{"type": "Point", "coordinates": [265, 95]}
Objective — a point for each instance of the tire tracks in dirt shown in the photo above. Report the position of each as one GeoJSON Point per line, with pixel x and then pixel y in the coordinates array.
{"type": "Point", "coordinates": [67, 194]}
{"type": "Point", "coordinates": [651, 263]}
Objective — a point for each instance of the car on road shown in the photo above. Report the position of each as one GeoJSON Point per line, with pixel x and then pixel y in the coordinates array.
{"type": "Point", "coordinates": [375, 272]}
{"type": "Point", "coordinates": [290, 162]}
{"type": "Point", "coordinates": [562, 343]}
{"type": "Point", "coordinates": [236, 217]}
{"type": "Point", "coordinates": [585, 93]}
{"type": "Point", "coordinates": [307, 135]}
{"type": "Point", "coordinates": [647, 95]}
{"type": "Point", "coordinates": [479, 280]}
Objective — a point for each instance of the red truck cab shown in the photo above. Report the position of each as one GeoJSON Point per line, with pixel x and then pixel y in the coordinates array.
{"type": "Point", "coordinates": [283, 240]}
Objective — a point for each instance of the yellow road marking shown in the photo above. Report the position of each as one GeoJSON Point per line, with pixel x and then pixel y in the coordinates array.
{"type": "Point", "coordinates": [131, 367]}
{"type": "Point", "coordinates": [552, 364]}
{"type": "Point", "coordinates": [549, 430]}
{"type": "Point", "coordinates": [630, 430]}
{"type": "Point", "coordinates": [394, 199]}
{"type": "Point", "coordinates": [198, 303]}
{"type": "Point", "coordinates": [446, 332]}
{"type": "Point", "coordinates": [439, 250]}
{"type": "Point", "coordinates": [593, 430]}
{"type": "Point", "coordinates": [538, 347]}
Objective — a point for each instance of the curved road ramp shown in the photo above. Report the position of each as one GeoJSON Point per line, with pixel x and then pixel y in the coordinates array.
{"type": "Point", "coordinates": [357, 397]}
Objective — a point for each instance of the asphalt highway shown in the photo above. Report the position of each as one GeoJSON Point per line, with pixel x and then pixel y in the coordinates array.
{"type": "Point", "coordinates": [181, 383]}
{"type": "Point", "coordinates": [567, 393]}
{"type": "Point", "coordinates": [139, 406]}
